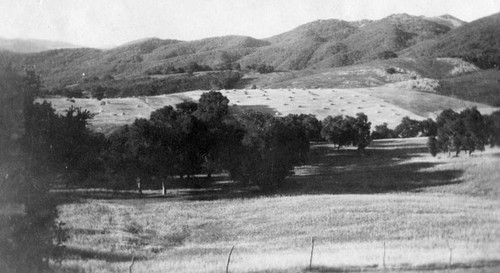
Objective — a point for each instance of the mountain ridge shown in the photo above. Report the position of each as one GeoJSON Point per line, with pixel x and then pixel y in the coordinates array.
{"type": "Point", "coordinates": [320, 44]}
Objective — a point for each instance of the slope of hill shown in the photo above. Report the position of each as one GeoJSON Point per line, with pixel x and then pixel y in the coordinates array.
{"type": "Point", "coordinates": [374, 73]}
{"type": "Point", "coordinates": [32, 45]}
{"type": "Point", "coordinates": [478, 41]}
{"type": "Point", "coordinates": [447, 20]}
{"type": "Point", "coordinates": [320, 44]}
{"type": "Point", "coordinates": [333, 43]}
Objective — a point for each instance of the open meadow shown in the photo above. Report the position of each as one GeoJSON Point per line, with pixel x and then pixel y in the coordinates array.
{"type": "Point", "coordinates": [387, 104]}
{"type": "Point", "coordinates": [431, 213]}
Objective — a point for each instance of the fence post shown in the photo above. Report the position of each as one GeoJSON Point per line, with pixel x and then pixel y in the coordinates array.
{"type": "Point", "coordinates": [451, 252]}
{"type": "Point", "coordinates": [229, 259]}
{"type": "Point", "coordinates": [383, 259]}
{"type": "Point", "coordinates": [312, 252]}
{"type": "Point", "coordinates": [132, 264]}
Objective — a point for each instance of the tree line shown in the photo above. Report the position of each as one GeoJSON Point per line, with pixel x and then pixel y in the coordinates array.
{"type": "Point", "coordinates": [452, 131]}
{"type": "Point", "coordinates": [467, 131]}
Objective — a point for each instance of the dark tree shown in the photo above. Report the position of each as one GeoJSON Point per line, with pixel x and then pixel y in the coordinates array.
{"type": "Point", "coordinates": [432, 145]}
{"type": "Point", "coordinates": [493, 124]}
{"type": "Point", "coordinates": [312, 125]}
{"type": "Point", "coordinates": [339, 130]}
{"type": "Point", "coordinates": [407, 128]}
{"type": "Point", "coordinates": [31, 235]}
{"type": "Point", "coordinates": [475, 135]}
{"type": "Point", "coordinates": [362, 127]}
{"type": "Point", "coordinates": [450, 129]}
{"type": "Point", "coordinates": [212, 107]}
{"type": "Point", "coordinates": [382, 132]}
{"type": "Point", "coordinates": [271, 148]}
{"type": "Point", "coordinates": [428, 127]}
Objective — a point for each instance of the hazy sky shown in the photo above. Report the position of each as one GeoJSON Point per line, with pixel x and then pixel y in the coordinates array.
{"type": "Point", "coordinates": [100, 23]}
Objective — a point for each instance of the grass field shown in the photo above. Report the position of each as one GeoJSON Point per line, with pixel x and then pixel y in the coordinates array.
{"type": "Point", "coordinates": [351, 203]}
{"type": "Point", "coordinates": [380, 104]}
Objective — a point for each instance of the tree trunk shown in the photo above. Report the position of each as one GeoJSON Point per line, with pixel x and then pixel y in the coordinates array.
{"type": "Point", "coordinates": [139, 186]}
{"type": "Point", "coordinates": [163, 188]}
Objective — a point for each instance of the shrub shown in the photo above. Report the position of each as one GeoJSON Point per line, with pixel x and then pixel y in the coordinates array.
{"type": "Point", "coordinates": [387, 55]}
{"type": "Point", "coordinates": [391, 70]}
{"type": "Point", "coordinates": [264, 69]}
{"type": "Point", "coordinates": [382, 131]}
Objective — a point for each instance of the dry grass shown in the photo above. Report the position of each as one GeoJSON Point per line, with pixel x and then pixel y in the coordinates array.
{"type": "Point", "coordinates": [351, 204]}
{"type": "Point", "coordinates": [381, 104]}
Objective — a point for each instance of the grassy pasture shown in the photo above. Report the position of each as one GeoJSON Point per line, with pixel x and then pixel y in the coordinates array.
{"type": "Point", "coordinates": [351, 203]}
{"type": "Point", "coordinates": [381, 104]}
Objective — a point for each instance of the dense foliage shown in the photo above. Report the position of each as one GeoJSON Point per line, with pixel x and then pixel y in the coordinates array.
{"type": "Point", "coordinates": [30, 237]}
{"type": "Point", "coordinates": [346, 130]}
{"type": "Point", "coordinates": [151, 86]}
{"type": "Point", "coordinates": [468, 131]}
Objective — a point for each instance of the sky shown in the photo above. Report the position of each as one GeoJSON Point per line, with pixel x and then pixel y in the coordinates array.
{"type": "Point", "coordinates": [105, 23]}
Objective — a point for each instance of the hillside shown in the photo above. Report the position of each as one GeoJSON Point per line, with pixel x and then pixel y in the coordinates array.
{"type": "Point", "coordinates": [414, 72]}
{"type": "Point", "coordinates": [319, 44]}
{"type": "Point", "coordinates": [334, 43]}
{"type": "Point", "coordinates": [447, 20]}
{"type": "Point", "coordinates": [478, 41]}
{"type": "Point", "coordinates": [32, 45]}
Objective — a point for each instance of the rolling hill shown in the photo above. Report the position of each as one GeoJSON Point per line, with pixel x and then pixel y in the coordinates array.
{"type": "Point", "coordinates": [478, 42]}
{"type": "Point", "coordinates": [32, 45]}
{"type": "Point", "coordinates": [447, 20]}
{"type": "Point", "coordinates": [316, 45]}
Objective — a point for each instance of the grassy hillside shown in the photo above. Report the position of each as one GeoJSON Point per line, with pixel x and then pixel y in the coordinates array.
{"type": "Point", "coordinates": [397, 195]}
{"type": "Point", "coordinates": [482, 86]}
{"type": "Point", "coordinates": [369, 74]}
{"type": "Point", "coordinates": [447, 20]}
{"type": "Point", "coordinates": [320, 44]}
{"type": "Point", "coordinates": [333, 43]}
{"type": "Point", "coordinates": [478, 41]}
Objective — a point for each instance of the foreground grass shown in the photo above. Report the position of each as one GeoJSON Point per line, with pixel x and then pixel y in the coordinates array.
{"type": "Point", "coordinates": [419, 206]}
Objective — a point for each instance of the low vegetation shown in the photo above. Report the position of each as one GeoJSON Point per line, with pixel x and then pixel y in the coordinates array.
{"type": "Point", "coordinates": [151, 86]}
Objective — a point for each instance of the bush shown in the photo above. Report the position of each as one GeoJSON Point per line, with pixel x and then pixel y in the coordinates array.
{"type": "Point", "coordinates": [407, 128]}
{"type": "Point", "coordinates": [264, 69]}
{"type": "Point", "coordinates": [432, 145]}
{"type": "Point", "coordinates": [382, 132]}
{"type": "Point", "coordinates": [391, 70]}
{"type": "Point", "coordinates": [387, 55]}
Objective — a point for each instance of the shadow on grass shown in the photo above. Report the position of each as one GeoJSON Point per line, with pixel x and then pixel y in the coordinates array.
{"type": "Point", "coordinates": [238, 109]}
{"type": "Point", "coordinates": [382, 167]}
{"type": "Point", "coordinates": [476, 266]}
{"type": "Point", "coordinates": [75, 253]}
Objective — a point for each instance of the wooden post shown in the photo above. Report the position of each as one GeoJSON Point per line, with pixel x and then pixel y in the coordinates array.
{"type": "Point", "coordinates": [139, 187]}
{"type": "Point", "coordinates": [312, 252]}
{"type": "Point", "coordinates": [229, 259]}
{"type": "Point", "coordinates": [130, 267]}
{"type": "Point", "coordinates": [451, 252]}
{"type": "Point", "coordinates": [163, 188]}
{"type": "Point", "coordinates": [383, 259]}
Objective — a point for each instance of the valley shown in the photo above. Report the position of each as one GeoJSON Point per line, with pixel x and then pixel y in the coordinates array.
{"type": "Point", "coordinates": [231, 177]}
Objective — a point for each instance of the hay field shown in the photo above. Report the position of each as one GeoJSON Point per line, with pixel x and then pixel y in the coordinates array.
{"type": "Point", "coordinates": [397, 194]}
{"type": "Point", "coordinates": [381, 104]}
